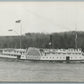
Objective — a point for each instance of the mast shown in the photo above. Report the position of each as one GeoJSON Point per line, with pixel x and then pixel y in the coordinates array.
{"type": "Point", "coordinates": [76, 38]}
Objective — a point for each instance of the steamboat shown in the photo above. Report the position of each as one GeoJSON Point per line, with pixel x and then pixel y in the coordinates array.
{"type": "Point", "coordinates": [40, 54]}
{"type": "Point", "coordinates": [54, 54]}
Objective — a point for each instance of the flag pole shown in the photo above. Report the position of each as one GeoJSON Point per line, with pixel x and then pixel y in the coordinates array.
{"type": "Point", "coordinates": [20, 34]}
{"type": "Point", "coordinates": [19, 21]}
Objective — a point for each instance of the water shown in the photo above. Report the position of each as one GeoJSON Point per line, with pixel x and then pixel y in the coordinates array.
{"type": "Point", "coordinates": [26, 71]}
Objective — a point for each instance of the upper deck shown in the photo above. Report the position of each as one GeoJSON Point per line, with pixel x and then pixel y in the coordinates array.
{"type": "Point", "coordinates": [40, 51]}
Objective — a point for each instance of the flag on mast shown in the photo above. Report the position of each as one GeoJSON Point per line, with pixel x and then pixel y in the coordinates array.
{"type": "Point", "coordinates": [18, 21]}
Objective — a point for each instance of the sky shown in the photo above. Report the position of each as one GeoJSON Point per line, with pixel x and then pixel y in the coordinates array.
{"type": "Point", "coordinates": [46, 17]}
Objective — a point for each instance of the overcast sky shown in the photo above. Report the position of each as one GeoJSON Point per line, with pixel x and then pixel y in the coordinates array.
{"type": "Point", "coordinates": [44, 17]}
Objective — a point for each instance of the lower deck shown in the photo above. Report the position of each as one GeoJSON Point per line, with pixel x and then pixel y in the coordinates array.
{"type": "Point", "coordinates": [53, 57]}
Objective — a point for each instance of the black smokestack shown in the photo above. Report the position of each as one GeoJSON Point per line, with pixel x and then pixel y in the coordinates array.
{"type": "Point", "coordinates": [50, 42]}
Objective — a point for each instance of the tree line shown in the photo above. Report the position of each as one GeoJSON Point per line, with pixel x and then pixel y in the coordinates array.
{"type": "Point", "coordinates": [40, 40]}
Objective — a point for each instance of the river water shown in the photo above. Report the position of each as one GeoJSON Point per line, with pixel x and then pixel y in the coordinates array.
{"type": "Point", "coordinates": [27, 71]}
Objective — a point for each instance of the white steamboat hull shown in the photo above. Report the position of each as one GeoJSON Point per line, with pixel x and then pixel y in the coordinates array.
{"type": "Point", "coordinates": [54, 57]}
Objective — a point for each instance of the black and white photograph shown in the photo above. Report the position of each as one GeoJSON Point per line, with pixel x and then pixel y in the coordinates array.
{"type": "Point", "coordinates": [42, 41]}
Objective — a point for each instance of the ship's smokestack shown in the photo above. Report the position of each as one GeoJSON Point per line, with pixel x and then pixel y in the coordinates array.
{"type": "Point", "coordinates": [50, 42]}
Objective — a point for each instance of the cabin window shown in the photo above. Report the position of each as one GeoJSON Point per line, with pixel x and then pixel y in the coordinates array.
{"type": "Point", "coordinates": [64, 53]}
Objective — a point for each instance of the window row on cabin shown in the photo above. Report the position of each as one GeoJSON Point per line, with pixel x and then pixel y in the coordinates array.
{"type": "Point", "coordinates": [65, 53]}
{"type": "Point", "coordinates": [10, 54]}
{"type": "Point", "coordinates": [15, 52]}
{"type": "Point", "coordinates": [60, 57]}
{"type": "Point", "coordinates": [72, 50]}
{"type": "Point", "coordinates": [53, 57]}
